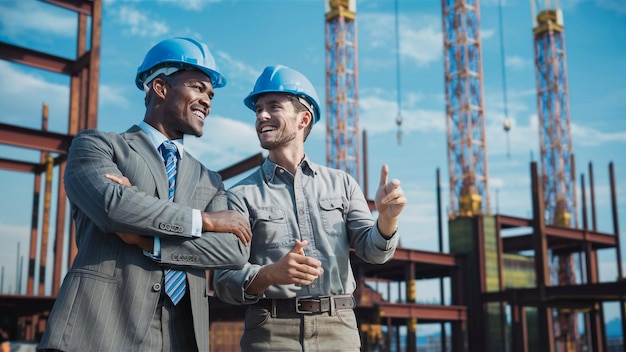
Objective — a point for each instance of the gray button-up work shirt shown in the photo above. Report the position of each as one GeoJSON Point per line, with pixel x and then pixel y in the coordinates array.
{"type": "Point", "coordinates": [322, 205]}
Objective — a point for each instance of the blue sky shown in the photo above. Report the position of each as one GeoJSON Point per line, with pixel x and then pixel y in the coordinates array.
{"type": "Point", "coordinates": [247, 35]}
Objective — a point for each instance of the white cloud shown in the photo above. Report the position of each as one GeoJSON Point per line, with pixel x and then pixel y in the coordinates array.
{"type": "Point", "coordinates": [487, 33]}
{"type": "Point", "coordinates": [225, 141]}
{"type": "Point", "coordinates": [517, 62]}
{"type": "Point", "coordinates": [22, 103]}
{"type": "Point", "coordinates": [192, 5]}
{"type": "Point", "coordinates": [378, 115]}
{"type": "Point", "coordinates": [238, 68]}
{"type": "Point", "coordinates": [526, 137]}
{"type": "Point", "coordinates": [608, 270]}
{"type": "Point", "coordinates": [36, 17]}
{"type": "Point", "coordinates": [112, 95]}
{"type": "Point", "coordinates": [140, 23]}
{"type": "Point", "coordinates": [518, 140]}
{"type": "Point", "coordinates": [422, 45]}
{"type": "Point", "coordinates": [591, 137]}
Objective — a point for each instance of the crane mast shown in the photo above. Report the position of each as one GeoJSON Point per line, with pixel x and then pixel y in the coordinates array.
{"type": "Point", "coordinates": [555, 138]}
{"type": "Point", "coordinates": [557, 158]}
{"type": "Point", "coordinates": [465, 122]}
{"type": "Point", "coordinates": [342, 123]}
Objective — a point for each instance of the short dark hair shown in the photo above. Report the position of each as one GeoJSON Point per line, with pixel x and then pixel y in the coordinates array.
{"type": "Point", "coordinates": [300, 107]}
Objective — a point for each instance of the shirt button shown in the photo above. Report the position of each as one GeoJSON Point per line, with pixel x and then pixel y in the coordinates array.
{"type": "Point", "coordinates": [297, 186]}
{"type": "Point", "coordinates": [281, 171]}
{"type": "Point", "coordinates": [301, 212]}
{"type": "Point", "coordinates": [312, 285]}
{"type": "Point", "coordinates": [156, 287]}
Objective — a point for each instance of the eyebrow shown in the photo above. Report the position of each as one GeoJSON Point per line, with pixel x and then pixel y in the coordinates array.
{"type": "Point", "coordinates": [272, 101]}
{"type": "Point", "coordinates": [198, 81]}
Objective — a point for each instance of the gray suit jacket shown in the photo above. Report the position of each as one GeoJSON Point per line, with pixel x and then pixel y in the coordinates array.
{"type": "Point", "coordinates": [110, 294]}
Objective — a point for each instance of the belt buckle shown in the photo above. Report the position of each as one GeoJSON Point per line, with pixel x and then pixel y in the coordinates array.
{"type": "Point", "coordinates": [310, 298]}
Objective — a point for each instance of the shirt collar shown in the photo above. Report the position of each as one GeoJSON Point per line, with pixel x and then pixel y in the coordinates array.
{"type": "Point", "coordinates": [308, 166]}
{"type": "Point", "coordinates": [157, 138]}
{"type": "Point", "coordinates": [270, 168]}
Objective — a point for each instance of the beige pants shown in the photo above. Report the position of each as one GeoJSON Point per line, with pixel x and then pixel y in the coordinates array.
{"type": "Point", "coordinates": [300, 332]}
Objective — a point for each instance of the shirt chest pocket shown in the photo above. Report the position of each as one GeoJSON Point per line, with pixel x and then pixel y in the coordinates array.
{"type": "Point", "coordinates": [269, 225]}
{"type": "Point", "coordinates": [332, 213]}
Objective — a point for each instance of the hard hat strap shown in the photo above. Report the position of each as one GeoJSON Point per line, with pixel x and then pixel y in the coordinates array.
{"type": "Point", "coordinates": [307, 104]}
{"type": "Point", "coordinates": [163, 70]}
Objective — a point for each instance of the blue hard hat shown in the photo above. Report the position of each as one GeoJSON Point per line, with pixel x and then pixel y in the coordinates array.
{"type": "Point", "coordinates": [179, 53]}
{"type": "Point", "coordinates": [282, 79]}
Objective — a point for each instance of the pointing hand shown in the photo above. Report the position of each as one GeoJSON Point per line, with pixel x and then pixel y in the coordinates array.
{"type": "Point", "coordinates": [390, 198]}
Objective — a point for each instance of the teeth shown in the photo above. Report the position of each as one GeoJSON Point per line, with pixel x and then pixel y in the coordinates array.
{"type": "Point", "coordinates": [199, 114]}
{"type": "Point", "coordinates": [267, 129]}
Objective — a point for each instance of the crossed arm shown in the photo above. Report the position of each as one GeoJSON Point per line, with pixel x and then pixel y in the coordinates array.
{"type": "Point", "coordinates": [228, 221]}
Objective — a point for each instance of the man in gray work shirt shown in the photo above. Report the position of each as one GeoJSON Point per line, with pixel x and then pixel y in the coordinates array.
{"type": "Point", "coordinates": [304, 219]}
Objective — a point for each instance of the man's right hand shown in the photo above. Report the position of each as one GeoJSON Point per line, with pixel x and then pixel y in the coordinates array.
{"type": "Point", "coordinates": [296, 268]}
{"type": "Point", "coordinates": [293, 268]}
{"type": "Point", "coordinates": [227, 221]}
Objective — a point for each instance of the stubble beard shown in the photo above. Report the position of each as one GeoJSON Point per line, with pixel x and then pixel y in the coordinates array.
{"type": "Point", "coordinates": [280, 142]}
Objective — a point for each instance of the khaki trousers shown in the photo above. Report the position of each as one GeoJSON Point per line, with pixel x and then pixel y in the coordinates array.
{"type": "Point", "coordinates": [300, 332]}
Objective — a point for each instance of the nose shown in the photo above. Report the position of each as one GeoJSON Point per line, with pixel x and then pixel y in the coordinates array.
{"type": "Point", "coordinates": [262, 115]}
{"type": "Point", "coordinates": [206, 101]}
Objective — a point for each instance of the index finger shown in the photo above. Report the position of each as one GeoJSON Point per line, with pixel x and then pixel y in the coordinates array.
{"type": "Point", "coordinates": [384, 173]}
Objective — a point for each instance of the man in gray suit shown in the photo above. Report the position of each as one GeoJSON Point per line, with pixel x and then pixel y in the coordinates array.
{"type": "Point", "coordinates": [172, 220]}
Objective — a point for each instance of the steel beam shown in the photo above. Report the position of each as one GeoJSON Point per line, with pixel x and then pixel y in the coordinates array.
{"type": "Point", "coordinates": [423, 312]}
{"type": "Point", "coordinates": [34, 139]}
{"type": "Point", "coordinates": [21, 166]}
{"type": "Point", "coordinates": [36, 59]}
{"type": "Point", "coordinates": [242, 166]}
{"type": "Point", "coordinates": [80, 6]}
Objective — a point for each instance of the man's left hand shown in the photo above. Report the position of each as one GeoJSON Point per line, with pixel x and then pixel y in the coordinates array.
{"type": "Point", "coordinates": [389, 202]}
{"type": "Point", "coordinates": [144, 242]}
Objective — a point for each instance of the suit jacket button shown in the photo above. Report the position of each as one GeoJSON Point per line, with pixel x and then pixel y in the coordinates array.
{"type": "Point", "coordinates": [156, 287]}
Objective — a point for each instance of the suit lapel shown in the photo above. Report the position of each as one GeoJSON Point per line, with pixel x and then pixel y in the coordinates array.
{"type": "Point", "coordinates": [138, 141]}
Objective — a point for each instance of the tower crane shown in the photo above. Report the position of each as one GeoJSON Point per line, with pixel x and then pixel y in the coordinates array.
{"type": "Point", "coordinates": [342, 124]}
{"type": "Point", "coordinates": [557, 158]}
{"type": "Point", "coordinates": [465, 122]}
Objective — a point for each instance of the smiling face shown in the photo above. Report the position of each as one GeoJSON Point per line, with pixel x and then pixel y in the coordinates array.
{"type": "Point", "coordinates": [276, 121]}
{"type": "Point", "coordinates": [186, 102]}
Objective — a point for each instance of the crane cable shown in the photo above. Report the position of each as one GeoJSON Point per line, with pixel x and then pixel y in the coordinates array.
{"type": "Point", "coordinates": [507, 121]}
{"type": "Point", "coordinates": [399, 117]}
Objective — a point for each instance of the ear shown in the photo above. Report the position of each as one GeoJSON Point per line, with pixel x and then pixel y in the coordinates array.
{"type": "Point", "coordinates": [159, 87]}
{"type": "Point", "coordinates": [306, 118]}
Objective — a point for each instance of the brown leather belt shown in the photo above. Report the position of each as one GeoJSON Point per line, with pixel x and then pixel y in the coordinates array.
{"type": "Point", "coordinates": [306, 305]}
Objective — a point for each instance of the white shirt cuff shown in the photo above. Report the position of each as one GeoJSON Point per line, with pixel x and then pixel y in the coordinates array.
{"type": "Point", "coordinates": [196, 223]}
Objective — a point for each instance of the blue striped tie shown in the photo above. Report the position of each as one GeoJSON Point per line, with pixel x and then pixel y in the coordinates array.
{"type": "Point", "coordinates": [175, 281]}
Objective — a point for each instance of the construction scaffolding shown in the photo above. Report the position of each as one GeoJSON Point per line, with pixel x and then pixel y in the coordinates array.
{"type": "Point", "coordinates": [465, 111]}
{"type": "Point", "coordinates": [342, 110]}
